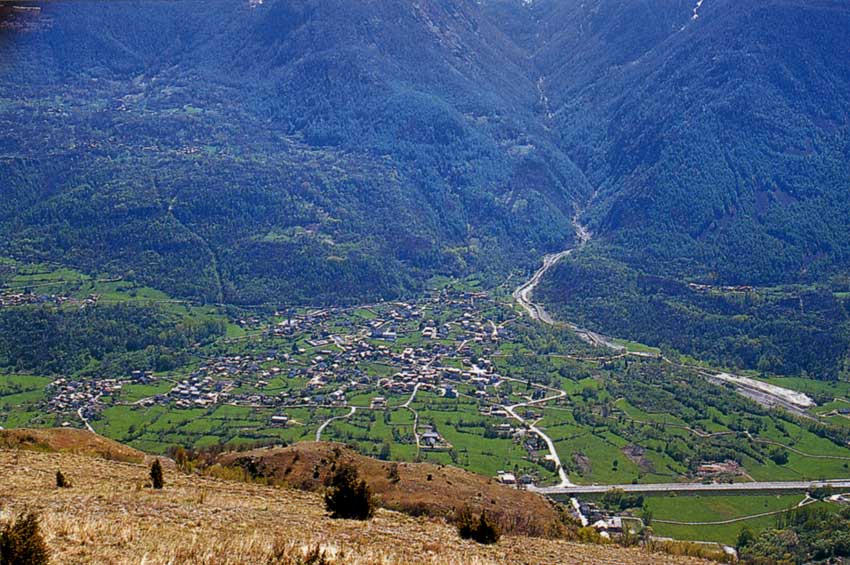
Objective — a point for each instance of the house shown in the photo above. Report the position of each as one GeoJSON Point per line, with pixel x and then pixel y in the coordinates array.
{"type": "Point", "coordinates": [506, 478]}
{"type": "Point", "coordinates": [610, 525]}
{"type": "Point", "coordinates": [430, 439]}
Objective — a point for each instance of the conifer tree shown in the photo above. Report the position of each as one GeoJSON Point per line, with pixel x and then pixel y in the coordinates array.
{"type": "Point", "coordinates": [479, 529]}
{"type": "Point", "coordinates": [156, 475]}
{"type": "Point", "coordinates": [347, 497]}
{"type": "Point", "coordinates": [21, 542]}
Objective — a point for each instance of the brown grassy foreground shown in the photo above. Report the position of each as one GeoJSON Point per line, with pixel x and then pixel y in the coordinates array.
{"type": "Point", "coordinates": [69, 440]}
{"type": "Point", "coordinates": [413, 488]}
{"type": "Point", "coordinates": [109, 517]}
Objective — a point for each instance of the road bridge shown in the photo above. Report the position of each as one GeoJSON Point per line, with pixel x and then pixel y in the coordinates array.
{"type": "Point", "coordinates": [757, 486]}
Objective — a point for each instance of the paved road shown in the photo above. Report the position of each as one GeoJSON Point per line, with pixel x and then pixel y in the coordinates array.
{"type": "Point", "coordinates": [327, 422]}
{"type": "Point", "coordinates": [792, 486]}
{"type": "Point", "coordinates": [85, 421]}
{"type": "Point", "coordinates": [415, 415]}
{"type": "Point", "coordinates": [523, 294]}
{"type": "Point", "coordinates": [553, 453]}
{"type": "Point", "coordinates": [83, 418]}
{"type": "Point", "coordinates": [412, 396]}
{"type": "Point", "coordinates": [537, 312]}
{"type": "Point", "coordinates": [791, 401]}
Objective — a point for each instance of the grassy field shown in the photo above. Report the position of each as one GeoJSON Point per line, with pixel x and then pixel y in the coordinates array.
{"type": "Point", "coordinates": [157, 428]}
{"type": "Point", "coordinates": [19, 395]}
{"type": "Point", "coordinates": [715, 508]}
{"type": "Point", "coordinates": [636, 347]}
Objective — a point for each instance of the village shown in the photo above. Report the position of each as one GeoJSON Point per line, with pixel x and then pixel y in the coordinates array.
{"type": "Point", "coordinates": [372, 358]}
{"type": "Point", "coordinates": [321, 369]}
{"type": "Point", "coordinates": [10, 299]}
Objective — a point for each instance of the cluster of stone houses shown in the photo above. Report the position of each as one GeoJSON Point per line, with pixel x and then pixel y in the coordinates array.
{"type": "Point", "coordinates": [11, 299]}
{"type": "Point", "coordinates": [64, 395]}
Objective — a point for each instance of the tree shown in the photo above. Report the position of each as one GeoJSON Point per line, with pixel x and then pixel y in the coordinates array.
{"type": "Point", "coordinates": [61, 481]}
{"type": "Point", "coordinates": [156, 475]}
{"type": "Point", "coordinates": [385, 451]}
{"type": "Point", "coordinates": [347, 497]}
{"type": "Point", "coordinates": [21, 542]}
{"type": "Point", "coordinates": [821, 493]}
{"type": "Point", "coordinates": [479, 529]}
{"type": "Point", "coordinates": [779, 456]}
{"type": "Point", "coordinates": [745, 538]}
{"type": "Point", "coordinates": [646, 516]}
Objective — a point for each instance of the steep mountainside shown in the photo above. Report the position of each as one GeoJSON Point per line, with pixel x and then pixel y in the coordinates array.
{"type": "Point", "coordinates": [721, 159]}
{"type": "Point", "coordinates": [325, 152]}
{"type": "Point", "coordinates": [725, 148]}
{"type": "Point", "coordinates": [716, 136]}
{"type": "Point", "coordinates": [305, 151]}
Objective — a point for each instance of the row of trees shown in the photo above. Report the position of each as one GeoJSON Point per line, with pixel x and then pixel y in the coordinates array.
{"type": "Point", "coordinates": [803, 535]}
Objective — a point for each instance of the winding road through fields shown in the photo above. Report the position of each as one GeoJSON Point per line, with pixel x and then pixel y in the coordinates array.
{"type": "Point", "coordinates": [329, 420]}
{"type": "Point", "coordinates": [553, 453]}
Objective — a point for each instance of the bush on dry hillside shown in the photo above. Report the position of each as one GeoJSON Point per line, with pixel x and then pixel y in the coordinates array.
{"type": "Point", "coordinates": [21, 542]}
{"type": "Point", "coordinates": [156, 475]}
{"type": "Point", "coordinates": [347, 496]}
{"type": "Point", "coordinates": [61, 481]}
{"type": "Point", "coordinates": [479, 529]}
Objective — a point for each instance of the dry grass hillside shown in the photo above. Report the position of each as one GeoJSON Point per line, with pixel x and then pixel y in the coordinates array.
{"type": "Point", "coordinates": [414, 488]}
{"type": "Point", "coordinates": [109, 516]}
{"type": "Point", "coordinates": [69, 440]}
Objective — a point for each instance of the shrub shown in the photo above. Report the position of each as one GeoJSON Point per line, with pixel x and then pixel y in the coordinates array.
{"type": "Point", "coordinates": [821, 493]}
{"type": "Point", "coordinates": [347, 497]}
{"type": "Point", "coordinates": [156, 475]}
{"type": "Point", "coordinates": [779, 456]}
{"type": "Point", "coordinates": [61, 481]}
{"type": "Point", "coordinates": [392, 473]}
{"type": "Point", "coordinates": [479, 529]}
{"type": "Point", "coordinates": [21, 542]}
{"type": "Point", "coordinates": [745, 538]}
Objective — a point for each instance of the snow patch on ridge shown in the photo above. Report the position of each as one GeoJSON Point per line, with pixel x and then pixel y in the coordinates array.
{"type": "Point", "coordinates": [696, 10]}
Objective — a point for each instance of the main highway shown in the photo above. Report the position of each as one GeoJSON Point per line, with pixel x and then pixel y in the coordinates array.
{"type": "Point", "coordinates": [756, 486]}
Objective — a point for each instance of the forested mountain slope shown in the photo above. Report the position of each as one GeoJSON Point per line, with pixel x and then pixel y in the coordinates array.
{"type": "Point", "coordinates": [724, 151]}
{"type": "Point", "coordinates": [722, 161]}
{"type": "Point", "coordinates": [331, 151]}
{"type": "Point", "coordinates": [290, 151]}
